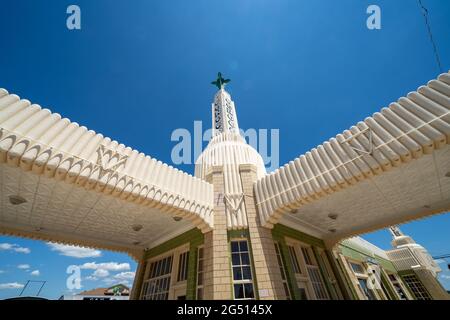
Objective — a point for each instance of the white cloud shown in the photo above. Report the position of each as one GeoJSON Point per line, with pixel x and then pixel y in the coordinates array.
{"type": "Point", "coordinates": [445, 276]}
{"type": "Point", "coordinates": [22, 250]}
{"type": "Point", "coordinates": [35, 273]}
{"type": "Point", "coordinates": [14, 247]}
{"type": "Point", "coordinates": [100, 273]}
{"type": "Point", "coordinates": [103, 270]}
{"type": "Point", "coordinates": [112, 281]}
{"type": "Point", "coordinates": [110, 266]}
{"type": "Point", "coordinates": [11, 285]}
{"type": "Point", "coordinates": [74, 251]}
{"type": "Point", "coordinates": [23, 266]}
{"type": "Point", "coordinates": [129, 275]}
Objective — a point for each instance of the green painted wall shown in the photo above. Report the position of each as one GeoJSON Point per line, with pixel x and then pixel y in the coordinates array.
{"type": "Point", "coordinates": [280, 230]}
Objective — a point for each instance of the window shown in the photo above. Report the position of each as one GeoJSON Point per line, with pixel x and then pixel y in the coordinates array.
{"type": "Point", "coordinates": [400, 291]}
{"type": "Point", "coordinates": [366, 291]}
{"type": "Point", "coordinates": [357, 268]}
{"type": "Point", "coordinates": [158, 285]}
{"type": "Point", "coordinates": [397, 286]}
{"type": "Point", "coordinates": [303, 292]}
{"type": "Point", "coordinates": [416, 287]}
{"type": "Point", "coordinates": [183, 266]}
{"type": "Point", "coordinates": [282, 271]}
{"type": "Point", "coordinates": [294, 260]}
{"type": "Point", "coordinates": [306, 255]}
{"type": "Point", "coordinates": [385, 291]}
{"type": "Point", "coordinates": [241, 268]}
{"type": "Point", "coordinates": [330, 274]}
{"type": "Point", "coordinates": [307, 272]}
{"type": "Point", "coordinates": [314, 274]}
{"type": "Point", "coordinates": [200, 272]}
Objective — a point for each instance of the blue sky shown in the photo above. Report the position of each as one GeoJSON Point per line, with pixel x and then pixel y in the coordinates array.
{"type": "Point", "coordinates": [138, 70]}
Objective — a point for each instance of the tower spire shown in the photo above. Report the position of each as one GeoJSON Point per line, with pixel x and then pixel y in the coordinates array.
{"type": "Point", "coordinates": [399, 238]}
{"type": "Point", "coordinates": [395, 231]}
{"type": "Point", "coordinates": [224, 117]}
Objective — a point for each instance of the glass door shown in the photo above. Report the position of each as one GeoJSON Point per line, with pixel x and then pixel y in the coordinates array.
{"type": "Point", "coordinates": [299, 269]}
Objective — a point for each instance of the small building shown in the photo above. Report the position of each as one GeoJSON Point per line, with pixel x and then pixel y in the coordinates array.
{"type": "Point", "coordinates": [407, 272]}
{"type": "Point", "coordinates": [117, 292]}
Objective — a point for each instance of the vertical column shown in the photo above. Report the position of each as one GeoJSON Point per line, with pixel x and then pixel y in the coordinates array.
{"type": "Point", "coordinates": [191, 287]}
{"type": "Point", "coordinates": [217, 277]}
{"type": "Point", "coordinates": [348, 277]}
{"type": "Point", "coordinates": [138, 278]}
{"type": "Point", "coordinates": [268, 275]}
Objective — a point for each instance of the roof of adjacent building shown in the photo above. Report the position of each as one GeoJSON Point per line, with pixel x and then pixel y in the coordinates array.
{"type": "Point", "coordinates": [124, 290]}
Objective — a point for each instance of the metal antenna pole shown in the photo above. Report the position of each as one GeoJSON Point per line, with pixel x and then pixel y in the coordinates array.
{"type": "Point", "coordinates": [24, 287]}
{"type": "Point", "coordinates": [43, 283]}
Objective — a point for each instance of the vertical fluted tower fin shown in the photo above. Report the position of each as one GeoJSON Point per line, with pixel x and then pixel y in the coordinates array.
{"type": "Point", "coordinates": [224, 117]}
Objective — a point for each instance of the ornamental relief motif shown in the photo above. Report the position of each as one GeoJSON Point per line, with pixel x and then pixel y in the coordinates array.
{"type": "Point", "coordinates": [230, 114]}
{"type": "Point", "coordinates": [217, 117]}
{"type": "Point", "coordinates": [233, 202]}
{"type": "Point", "coordinates": [109, 160]}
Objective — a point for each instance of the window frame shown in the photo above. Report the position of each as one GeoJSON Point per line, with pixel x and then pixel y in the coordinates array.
{"type": "Point", "coordinates": [424, 294]}
{"type": "Point", "coordinates": [364, 277]}
{"type": "Point", "coordinates": [242, 281]}
{"type": "Point", "coordinates": [156, 278]}
{"type": "Point", "coordinates": [283, 270]}
{"type": "Point", "coordinates": [199, 287]}
{"type": "Point", "coordinates": [304, 279]}
{"type": "Point", "coordinates": [398, 286]}
{"type": "Point", "coordinates": [329, 272]}
{"type": "Point", "coordinates": [174, 285]}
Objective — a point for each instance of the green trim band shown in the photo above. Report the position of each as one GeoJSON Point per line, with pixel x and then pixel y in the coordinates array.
{"type": "Point", "coordinates": [356, 253]}
{"type": "Point", "coordinates": [280, 230]}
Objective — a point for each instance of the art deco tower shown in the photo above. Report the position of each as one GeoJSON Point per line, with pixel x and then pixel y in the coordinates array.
{"type": "Point", "coordinates": [405, 244]}
{"type": "Point", "coordinates": [228, 150]}
{"type": "Point", "coordinates": [232, 167]}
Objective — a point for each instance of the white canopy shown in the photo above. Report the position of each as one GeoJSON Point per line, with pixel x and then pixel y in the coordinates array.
{"type": "Point", "coordinates": [390, 168]}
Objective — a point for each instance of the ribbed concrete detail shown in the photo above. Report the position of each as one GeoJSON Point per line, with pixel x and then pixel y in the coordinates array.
{"type": "Point", "coordinates": [37, 140]}
{"type": "Point", "coordinates": [228, 149]}
{"type": "Point", "coordinates": [407, 130]}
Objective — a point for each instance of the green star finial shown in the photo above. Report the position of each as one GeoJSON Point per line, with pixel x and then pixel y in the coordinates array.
{"type": "Point", "coordinates": [220, 82]}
